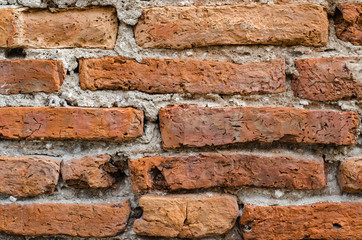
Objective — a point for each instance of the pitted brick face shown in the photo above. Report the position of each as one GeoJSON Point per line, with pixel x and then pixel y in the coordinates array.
{"type": "Point", "coordinates": [198, 26]}
{"type": "Point", "coordinates": [348, 22]}
{"type": "Point", "coordinates": [350, 175]}
{"type": "Point", "coordinates": [194, 126]}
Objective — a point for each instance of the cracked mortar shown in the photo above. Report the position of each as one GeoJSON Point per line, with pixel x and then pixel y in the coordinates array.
{"type": "Point", "coordinates": [149, 144]}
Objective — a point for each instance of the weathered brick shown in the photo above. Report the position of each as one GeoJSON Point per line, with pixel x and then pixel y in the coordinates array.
{"type": "Point", "coordinates": [328, 79]}
{"type": "Point", "coordinates": [194, 126]}
{"type": "Point", "coordinates": [197, 26]}
{"type": "Point", "coordinates": [89, 172]}
{"type": "Point", "coordinates": [28, 176]}
{"type": "Point", "coordinates": [315, 221]}
{"type": "Point", "coordinates": [28, 76]}
{"type": "Point", "coordinates": [348, 22]}
{"type": "Point", "coordinates": [108, 124]}
{"type": "Point", "coordinates": [226, 170]}
{"type": "Point", "coordinates": [94, 27]}
{"type": "Point", "coordinates": [182, 76]}
{"type": "Point", "coordinates": [186, 216]}
{"type": "Point", "coordinates": [350, 176]}
{"type": "Point", "coordinates": [81, 220]}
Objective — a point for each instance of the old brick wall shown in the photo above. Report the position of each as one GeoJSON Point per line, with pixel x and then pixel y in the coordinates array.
{"type": "Point", "coordinates": [214, 119]}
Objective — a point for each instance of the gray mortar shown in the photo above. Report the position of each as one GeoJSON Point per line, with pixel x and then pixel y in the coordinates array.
{"type": "Point", "coordinates": [150, 143]}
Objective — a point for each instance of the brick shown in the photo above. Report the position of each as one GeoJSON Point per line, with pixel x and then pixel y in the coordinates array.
{"type": "Point", "coordinates": [350, 176]}
{"type": "Point", "coordinates": [348, 22]}
{"type": "Point", "coordinates": [197, 26]}
{"type": "Point", "coordinates": [328, 79]}
{"type": "Point", "coordinates": [93, 27]}
{"type": "Point", "coordinates": [28, 176]}
{"type": "Point", "coordinates": [108, 124]}
{"type": "Point", "coordinates": [194, 126]}
{"type": "Point", "coordinates": [207, 170]}
{"type": "Point", "coordinates": [315, 221]}
{"type": "Point", "coordinates": [28, 76]}
{"type": "Point", "coordinates": [78, 220]}
{"type": "Point", "coordinates": [182, 76]}
{"type": "Point", "coordinates": [89, 172]}
{"type": "Point", "coordinates": [186, 216]}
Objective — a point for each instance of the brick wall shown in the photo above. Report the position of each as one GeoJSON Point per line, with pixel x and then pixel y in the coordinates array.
{"type": "Point", "coordinates": [180, 119]}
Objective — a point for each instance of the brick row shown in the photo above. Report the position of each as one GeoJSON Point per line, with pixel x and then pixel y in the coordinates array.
{"type": "Point", "coordinates": [226, 170]}
{"type": "Point", "coordinates": [112, 124]}
{"type": "Point", "coordinates": [93, 27]}
{"type": "Point", "coordinates": [78, 220]}
{"type": "Point", "coordinates": [194, 126]}
{"type": "Point", "coordinates": [197, 26]}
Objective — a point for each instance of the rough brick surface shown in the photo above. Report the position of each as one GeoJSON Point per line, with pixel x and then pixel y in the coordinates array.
{"type": "Point", "coordinates": [28, 176]}
{"type": "Point", "coordinates": [81, 220]}
{"type": "Point", "coordinates": [226, 170]}
{"type": "Point", "coordinates": [194, 126]}
{"type": "Point", "coordinates": [27, 76]}
{"type": "Point", "coordinates": [188, 216]}
{"type": "Point", "coordinates": [89, 172]}
{"type": "Point", "coordinates": [328, 79]}
{"type": "Point", "coordinates": [182, 76]}
{"type": "Point", "coordinates": [196, 26]}
{"type": "Point", "coordinates": [94, 27]}
{"type": "Point", "coordinates": [350, 176]}
{"type": "Point", "coordinates": [316, 221]}
{"type": "Point", "coordinates": [348, 22]}
{"type": "Point", "coordinates": [109, 124]}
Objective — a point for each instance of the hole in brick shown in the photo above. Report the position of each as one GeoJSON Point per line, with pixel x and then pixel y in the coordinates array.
{"type": "Point", "coordinates": [15, 53]}
{"type": "Point", "coordinates": [247, 228]}
{"type": "Point", "coordinates": [157, 178]}
{"type": "Point", "coordinates": [337, 226]}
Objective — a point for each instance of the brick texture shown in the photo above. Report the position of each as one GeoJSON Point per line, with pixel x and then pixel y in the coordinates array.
{"type": "Point", "coordinates": [350, 176]}
{"type": "Point", "coordinates": [81, 220]}
{"type": "Point", "coordinates": [182, 76]}
{"type": "Point", "coordinates": [194, 126]}
{"type": "Point", "coordinates": [28, 76]}
{"type": "Point", "coordinates": [328, 79]}
{"type": "Point", "coordinates": [226, 170]}
{"type": "Point", "coordinates": [316, 221]}
{"type": "Point", "coordinates": [110, 124]}
{"type": "Point", "coordinates": [94, 27]}
{"type": "Point", "coordinates": [89, 172]}
{"type": "Point", "coordinates": [186, 216]}
{"type": "Point", "coordinates": [348, 22]}
{"type": "Point", "coordinates": [28, 176]}
{"type": "Point", "coordinates": [197, 26]}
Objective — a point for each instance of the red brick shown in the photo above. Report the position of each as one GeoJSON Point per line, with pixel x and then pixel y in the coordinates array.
{"type": "Point", "coordinates": [226, 170]}
{"type": "Point", "coordinates": [197, 26]}
{"type": "Point", "coordinates": [348, 22]}
{"type": "Point", "coordinates": [80, 220]}
{"type": "Point", "coordinates": [93, 27]}
{"type": "Point", "coordinates": [28, 76]}
{"type": "Point", "coordinates": [186, 216]}
{"type": "Point", "coordinates": [28, 176]}
{"type": "Point", "coordinates": [108, 124]}
{"type": "Point", "coordinates": [182, 76]}
{"type": "Point", "coordinates": [328, 79]}
{"type": "Point", "coordinates": [194, 126]}
{"type": "Point", "coordinates": [350, 176]}
{"type": "Point", "coordinates": [315, 221]}
{"type": "Point", "coordinates": [89, 172]}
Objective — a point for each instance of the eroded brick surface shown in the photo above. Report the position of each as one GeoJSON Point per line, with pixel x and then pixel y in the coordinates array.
{"type": "Point", "coordinates": [109, 124]}
{"type": "Point", "coordinates": [194, 126]}
{"type": "Point", "coordinates": [328, 79]}
{"type": "Point", "coordinates": [226, 170]}
{"type": "Point", "coordinates": [186, 216]}
{"type": "Point", "coordinates": [28, 176]}
{"type": "Point", "coordinates": [348, 22]}
{"type": "Point", "coordinates": [315, 221]}
{"type": "Point", "coordinates": [196, 26]}
{"type": "Point", "coordinates": [182, 76]}
{"type": "Point", "coordinates": [81, 220]}
{"type": "Point", "coordinates": [350, 176]}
